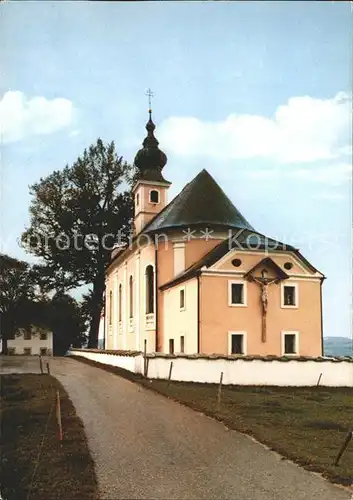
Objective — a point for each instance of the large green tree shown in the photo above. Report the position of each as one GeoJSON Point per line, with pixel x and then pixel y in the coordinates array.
{"type": "Point", "coordinates": [21, 300]}
{"type": "Point", "coordinates": [67, 323]}
{"type": "Point", "coordinates": [77, 215]}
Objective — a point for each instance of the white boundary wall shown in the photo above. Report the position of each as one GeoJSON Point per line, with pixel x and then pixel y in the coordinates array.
{"type": "Point", "coordinates": [131, 363]}
{"type": "Point", "coordinates": [334, 373]}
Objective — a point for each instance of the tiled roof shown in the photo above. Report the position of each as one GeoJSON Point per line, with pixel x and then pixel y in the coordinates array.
{"type": "Point", "coordinates": [201, 203]}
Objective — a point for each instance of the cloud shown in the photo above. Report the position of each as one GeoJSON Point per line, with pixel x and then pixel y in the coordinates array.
{"type": "Point", "coordinates": [334, 174]}
{"type": "Point", "coordinates": [22, 117]}
{"type": "Point", "coordinates": [304, 130]}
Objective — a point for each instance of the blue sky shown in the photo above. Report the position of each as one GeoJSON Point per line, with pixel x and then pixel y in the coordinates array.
{"type": "Point", "coordinates": [258, 93]}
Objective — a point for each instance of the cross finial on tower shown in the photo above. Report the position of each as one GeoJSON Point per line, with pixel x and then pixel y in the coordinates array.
{"type": "Point", "coordinates": [149, 94]}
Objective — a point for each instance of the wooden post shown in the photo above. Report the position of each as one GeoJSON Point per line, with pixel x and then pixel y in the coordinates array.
{"type": "Point", "coordinates": [144, 358]}
{"type": "Point", "coordinates": [219, 392]}
{"type": "Point", "coordinates": [41, 364]}
{"type": "Point", "coordinates": [170, 373]}
{"type": "Point", "coordinates": [344, 447]}
{"type": "Point", "coordinates": [318, 382]}
{"type": "Point", "coordinates": [48, 368]}
{"type": "Point", "coordinates": [58, 416]}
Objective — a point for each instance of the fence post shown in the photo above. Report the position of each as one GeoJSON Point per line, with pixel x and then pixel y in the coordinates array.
{"type": "Point", "coordinates": [219, 392]}
{"type": "Point", "coordinates": [144, 358]}
{"type": "Point", "coordinates": [170, 373]}
{"type": "Point", "coordinates": [48, 368]}
{"type": "Point", "coordinates": [147, 365]}
{"type": "Point", "coordinates": [41, 364]}
{"type": "Point", "coordinates": [344, 447]}
{"type": "Point", "coordinates": [318, 382]}
{"type": "Point", "coordinates": [58, 416]}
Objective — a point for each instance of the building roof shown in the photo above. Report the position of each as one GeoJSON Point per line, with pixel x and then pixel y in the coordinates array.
{"type": "Point", "coordinates": [243, 240]}
{"type": "Point", "coordinates": [201, 203]}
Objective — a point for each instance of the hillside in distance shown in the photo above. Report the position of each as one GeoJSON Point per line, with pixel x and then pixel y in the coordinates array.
{"type": "Point", "coordinates": [338, 346]}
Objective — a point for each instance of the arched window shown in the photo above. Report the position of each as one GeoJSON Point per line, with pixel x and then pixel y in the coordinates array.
{"type": "Point", "coordinates": [110, 307]}
{"type": "Point", "coordinates": [149, 289]}
{"type": "Point", "coordinates": [131, 297]}
{"type": "Point", "coordinates": [120, 301]}
{"type": "Point", "coordinates": [154, 196]}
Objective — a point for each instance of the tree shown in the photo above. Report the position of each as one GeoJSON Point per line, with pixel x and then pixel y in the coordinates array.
{"type": "Point", "coordinates": [21, 303]}
{"type": "Point", "coordinates": [67, 323]}
{"type": "Point", "coordinates": [77, 215]}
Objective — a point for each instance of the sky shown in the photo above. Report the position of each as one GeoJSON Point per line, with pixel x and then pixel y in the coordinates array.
{"type": "Point", "coordinates": [258, 93]}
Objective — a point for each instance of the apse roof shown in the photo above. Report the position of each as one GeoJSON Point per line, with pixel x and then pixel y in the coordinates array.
{"type": "Point", "coordinates": [202, 202]}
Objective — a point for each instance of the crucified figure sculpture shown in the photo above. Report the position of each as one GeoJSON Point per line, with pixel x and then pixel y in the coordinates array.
{"type": "Point", "coordinates": [264, 284]}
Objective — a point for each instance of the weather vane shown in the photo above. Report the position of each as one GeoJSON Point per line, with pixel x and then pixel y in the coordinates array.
{"type": "Point", "coordinates": [149, 94]}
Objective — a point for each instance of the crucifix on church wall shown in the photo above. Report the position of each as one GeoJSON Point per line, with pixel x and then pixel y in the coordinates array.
{"type": "Point", "coordinates": [264, 284]}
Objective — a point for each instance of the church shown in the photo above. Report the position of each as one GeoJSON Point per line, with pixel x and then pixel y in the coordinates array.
{"type": "Point", "coordinates": [197, 278]}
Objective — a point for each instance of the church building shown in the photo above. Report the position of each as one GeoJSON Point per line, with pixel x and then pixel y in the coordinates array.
{"type": "Point", "coordinates": [198, 278]}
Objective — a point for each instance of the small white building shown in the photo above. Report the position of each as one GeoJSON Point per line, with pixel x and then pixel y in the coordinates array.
{"type": "Point", "coordinates": [32, 341]}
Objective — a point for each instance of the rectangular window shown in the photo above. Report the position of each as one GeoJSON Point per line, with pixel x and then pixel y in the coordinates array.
{"type": "Point", "coordinates": [171, 346]}
{"type": "Point", "coordinates": [110, 307]}
{"type": "Point", "coordinates": [289, 296]}
{"type": "Point", "coordinates": [43, 336]}
{"type": "Point", "coordinates": [27, 335]}
{"type": "Point", "coordinates": [27, 351]}
{"type": "Point", "coordinates": [182, 342]}
{"type": "Point", "coordinates": [43, 351]}
{"type": "Point", "coordinates": [11, 351]}
{"type": "Point", "coordinates": [237, 344]}
{"type": "Point", "coordinates": [237, 293]}
{"type": "Point", "coordinates": [290, 343]}
{"type": "Point", "coordinates": [182, 299]}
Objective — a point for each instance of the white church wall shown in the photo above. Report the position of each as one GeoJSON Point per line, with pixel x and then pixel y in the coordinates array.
{"type": "Point", "coordinates": [332, 372]}
{"type": "Point", "coordinates": [181, 322]}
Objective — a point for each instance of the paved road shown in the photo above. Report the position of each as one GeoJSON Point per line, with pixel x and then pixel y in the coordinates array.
{"type": "Point", "coordinates": [147, 447]}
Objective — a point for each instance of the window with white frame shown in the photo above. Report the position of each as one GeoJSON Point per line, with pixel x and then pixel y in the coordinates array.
{"type": "Point", "coordinates": [154, 196]}
{"type": "Point", "coordinates": [290, 343]}
{"type": "Point", "coordinates": [110, 307]}
{"type": "Point", "coordinates": [182, 344]}
{"type": "Point", "coordinates": [237, 343]}
{"type": "Point", "coordinates": [237, 293]}
{"type": "Point", "coordinates": [131, 297]}
{"type": "Point", "coordinates": [27, 351]}
{"type": "Point", "coordinates": [289, 295]}
{"type": "Point", "coordinates": [120, 302]}
{"type": "Point", "coordinates": [149, 289]}
{"type": "Point", "coordinates": [182, 299]}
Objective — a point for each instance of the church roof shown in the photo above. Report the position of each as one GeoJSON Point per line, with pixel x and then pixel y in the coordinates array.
{"type": "Point", "coordinates": [243, 240]}
{"type": "Point", "coordinates": [201, 203]}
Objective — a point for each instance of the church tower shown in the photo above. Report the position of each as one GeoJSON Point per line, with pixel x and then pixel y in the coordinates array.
{"type": "Point", "coordinates": [150, 191]}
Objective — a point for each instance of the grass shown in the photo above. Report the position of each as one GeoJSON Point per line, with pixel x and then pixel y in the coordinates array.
{"type": "Point", "coordinates": [64, 471]}
{"type": "Point", "coordinates": [306, 425]}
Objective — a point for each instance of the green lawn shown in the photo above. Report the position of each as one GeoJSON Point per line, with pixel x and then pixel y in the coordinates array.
{"type": "Point", "coordinates": [64, 471]}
